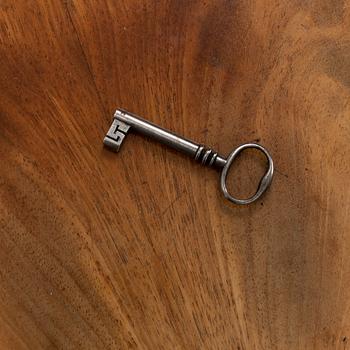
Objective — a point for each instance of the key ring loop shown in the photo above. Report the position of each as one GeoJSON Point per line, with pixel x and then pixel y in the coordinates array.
{"type": "Point", "coordinates": [264, 182]}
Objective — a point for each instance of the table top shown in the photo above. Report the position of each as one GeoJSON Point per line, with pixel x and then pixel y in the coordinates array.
{"type": "Point", "coordinates": [139, 250]}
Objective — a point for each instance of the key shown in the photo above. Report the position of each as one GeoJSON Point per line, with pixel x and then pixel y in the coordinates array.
{"type": "Point", "coordinates": [124, 121]}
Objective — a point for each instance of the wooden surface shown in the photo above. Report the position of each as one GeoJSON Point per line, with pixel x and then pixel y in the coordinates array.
{"type": "Point", "coordinates": [139, 250]}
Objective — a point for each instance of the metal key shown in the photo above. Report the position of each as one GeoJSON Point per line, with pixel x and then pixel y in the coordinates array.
{"type": "Point", "coordinates": [124, 121]}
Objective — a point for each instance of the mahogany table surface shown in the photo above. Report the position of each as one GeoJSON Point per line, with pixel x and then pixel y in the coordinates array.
{"type": "Point", "coordinates": [139, 249]}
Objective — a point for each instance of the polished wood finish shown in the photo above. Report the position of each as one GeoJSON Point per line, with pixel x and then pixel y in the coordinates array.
{"type": "Point", "coordinates": [139, 250]}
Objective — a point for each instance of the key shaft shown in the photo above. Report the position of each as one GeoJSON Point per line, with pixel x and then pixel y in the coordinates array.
{"type": "Point", "coordinates": [197, 151]}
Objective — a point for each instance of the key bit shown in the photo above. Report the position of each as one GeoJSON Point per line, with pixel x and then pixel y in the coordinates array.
{"type": "Point", "coordinates": [116, 134]}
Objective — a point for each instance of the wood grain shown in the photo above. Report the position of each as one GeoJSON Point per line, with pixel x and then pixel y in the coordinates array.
{"type": "Point", "coordinates": [139, 250]}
